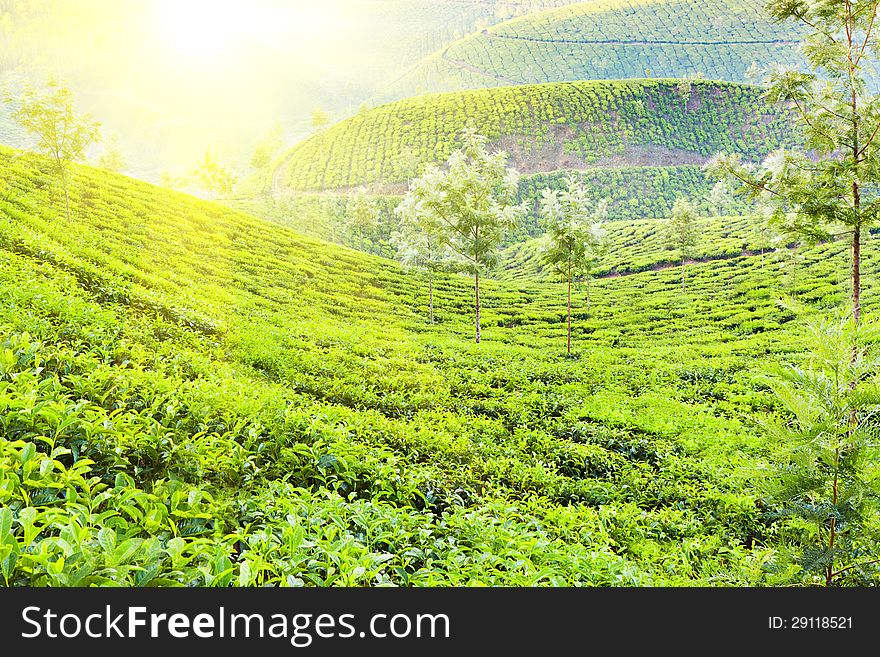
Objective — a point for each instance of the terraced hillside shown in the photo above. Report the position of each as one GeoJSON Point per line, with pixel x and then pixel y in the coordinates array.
{"type": "Point", "coordinates": [192, 396]}
{"type": "Point", "coordinates": [640, 246]}
{"type": "Point", "coordinates": [611, 39]}
{"type": "Point", "coordinates": [544, 128]}
{"type": "Point", "coordinates": [424, 26]}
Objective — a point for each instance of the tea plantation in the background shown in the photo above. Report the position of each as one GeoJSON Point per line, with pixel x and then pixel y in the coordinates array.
{"type": "Point", "coordinates": [544, 128]}
{"type": "Point", "coordinates": [610, 39]}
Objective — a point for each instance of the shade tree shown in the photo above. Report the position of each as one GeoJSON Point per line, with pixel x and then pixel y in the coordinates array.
{"type": "Point", "coordinates": [215, 177]}
{"type": "Point", "coordinates": [828, 188]}
{"type": "Point", "coordinates": [574, 237]}
{"type": "Point", "coordinates": [470, 204]}
{"type": "Point", "coordinates": [422, 252]}
{"type": "Point", "coordinates": [680, 230]}
{"type": "Point", "coordinates": [62, 133]}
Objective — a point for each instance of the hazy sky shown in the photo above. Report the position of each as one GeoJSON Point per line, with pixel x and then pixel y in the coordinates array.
{"type": "Point", "coordinates": [174, 77]}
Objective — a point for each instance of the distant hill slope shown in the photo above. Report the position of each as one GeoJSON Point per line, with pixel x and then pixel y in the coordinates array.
{"type": "Point", "coordinates": [608, 39]}
{"type": "Point", "coordinates": [544, 128]}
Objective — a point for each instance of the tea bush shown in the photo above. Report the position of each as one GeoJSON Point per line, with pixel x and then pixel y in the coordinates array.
{"type": "Point", "coordinates": [612, 39]}
{"type": "Point", "coordinates": [544, 127]}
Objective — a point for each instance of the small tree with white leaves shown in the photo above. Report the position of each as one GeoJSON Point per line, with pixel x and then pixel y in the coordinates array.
{"type": "Point", "coordinates": [681, 230]}
{"type": "Point", "coordinates": [574, 237]}
{"type": "Point", "coordinates": [469, 204]}
{"type": "Point", "coordinates": [423, 253]}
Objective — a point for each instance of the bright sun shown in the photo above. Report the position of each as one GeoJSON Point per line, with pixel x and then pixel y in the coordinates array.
{"type": "Point", "coordinates": [205, 28]}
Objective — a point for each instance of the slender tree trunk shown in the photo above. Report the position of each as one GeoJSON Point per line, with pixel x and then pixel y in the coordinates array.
{"type": "Point", "coordinates": [856, 294]}
{"type": "Point", "coordinates": [431, 298]}
{"type": "Point", "coordinates": [569, 308]}
{"type": "Point", "coordinates": [857, 272]}
{"type": "Point", "coordinates": [589, 280]}
{"type": "Point", "coordinates": [832, 534]}
{"type": "Point", "coordinates": [477, 306]}
{"type": "Point", "coordinates": [63, 171]}
{"type": "Point", "coordinates": [66, 200]}
{"type": "Point", "coordinates": [856, 245]}
{"type": "Point", "coordinates": [682, 273]}
{"type": "Point", "coordinates": [856, 291]}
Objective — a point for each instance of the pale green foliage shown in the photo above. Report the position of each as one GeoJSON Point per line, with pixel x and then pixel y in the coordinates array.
{"type": "Point", "coordinates": [213, 176]}
{"type": "Point", "coordinates": [470, 203]}
{"type": "Point", "coordinates": [828, 189]}
{"type": "Point", "coordinates": [267, 147]}
{"type": "Point", "coordinates": [363, 216]}
{"type": "Point", "coordinates": [168, 180]}
{"type": "Point", "coordinates": [681, 227]}
{"type": "Point", "coordinates": [825, 482]}
{"type": "Point", "coordinates": [61, 132]}
{"type": "Point", "coordinates": [320, 119]}
{"type": "Point", "coordinates": [573, 241]}
{"type": "Point", "coordinates": [112, 158]}
{"type": "Point", "coordinates": [573, 238]}
{"type": "Point", "coordinates": [419, 250]}
{"type": "Point", "coordinates": [754, 73]}
{"type": "Point", "coordinates": [762, 224]}
{"type": "Point", "coordinates": [49, 115]}
{"type": "Point", "coordinates": [681, 231]}
{"type": "Point", "coordinates": [790, 260]}
{"type": "Point", "coordinates": [719, 198]}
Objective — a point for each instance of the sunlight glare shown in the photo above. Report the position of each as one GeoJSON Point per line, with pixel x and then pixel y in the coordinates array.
{"type": "Point", "coordinates": [205, 28]}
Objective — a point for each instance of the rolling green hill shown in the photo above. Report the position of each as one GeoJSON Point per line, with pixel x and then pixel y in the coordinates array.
{"type": "Point", "coordinates": [611, 39]}
{"type": "Point", "coordinates": [544, 128]}
{"type": "Point", "coordinates": [193, 396]}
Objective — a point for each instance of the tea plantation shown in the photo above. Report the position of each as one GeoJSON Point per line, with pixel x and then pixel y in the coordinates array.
{"type": "Point", "coordinates": [640, 245]}
{"type": "Point", "coordinates": [544, 128]}
{"type": "Point", "coordinates": [610, 39]}
{"type": "Point", "coordinates": [193, 396]}
{"type": "Point", "coordinates": [644, 192]}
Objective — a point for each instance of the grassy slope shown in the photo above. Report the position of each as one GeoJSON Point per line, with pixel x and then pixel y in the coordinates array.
{"type": "Point", "coordinates": [189, 395]}
{"type": "Point", "coordinates": [639, 245]}
{"type": "Point", "coordinates": [544, 128]}
{"type": "Point", "coordinates": [611, 39]}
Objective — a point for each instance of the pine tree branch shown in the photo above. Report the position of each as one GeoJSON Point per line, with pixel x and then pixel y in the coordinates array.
{"type": "Point", "coordinates": [870, 140]}
{"type": "Point", "coordinates": [803, 19]}
{"type": "Point", "coordinates": [855, 565]}
{"type": "Point", "coordinates": [867, 35]}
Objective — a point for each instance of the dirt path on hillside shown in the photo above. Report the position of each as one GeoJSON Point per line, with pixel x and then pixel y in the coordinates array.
{"type": "Point", "coordinates": [478, 71]}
